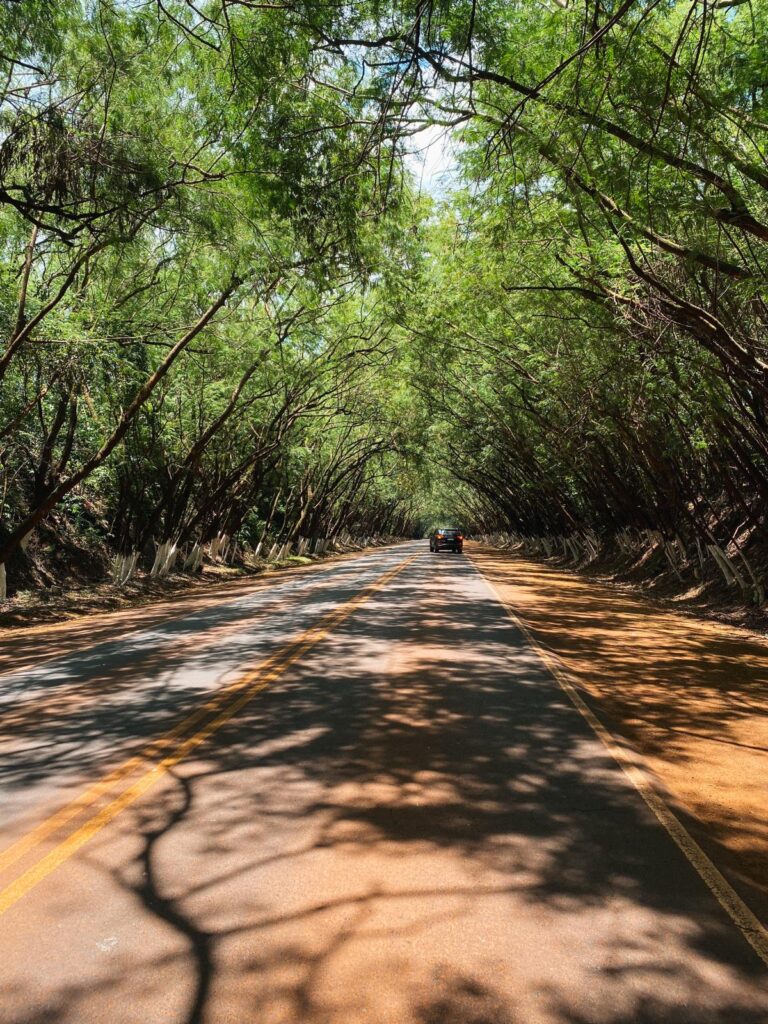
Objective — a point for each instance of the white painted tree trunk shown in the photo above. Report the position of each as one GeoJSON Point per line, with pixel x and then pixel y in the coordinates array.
{"type": "Point", "coordinates": [669, 551]}
{"type": "Point", "coordinates": [700, 553]}
{"type": "Point", "coordinates": [165, 559]}
{"type": "Point", "coordinates": [218, 547]}
{"type": "Point", "coordinates": [170, 560]}
{"type": "Point", "coordinates": [123, 567]}
{"type": "Point", "coordinates": [758, 590]}
{"type": "Point", "coordinates": [591, 543]}
{"type": "Point", "coordinates": [194, 559]}
{"type": "Point", "coordinates": [730, 573]}
{"type": "Point", "coordinates": [160, 550]}
{"type": "Point", "coordinates": [3, 583]}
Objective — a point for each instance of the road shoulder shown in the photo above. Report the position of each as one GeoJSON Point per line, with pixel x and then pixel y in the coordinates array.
{"type": "Point", "coordinates": [687, 696]}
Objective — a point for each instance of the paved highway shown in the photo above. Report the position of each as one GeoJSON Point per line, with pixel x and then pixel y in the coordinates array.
{"type": "Point", "coordinates": [352, 795]}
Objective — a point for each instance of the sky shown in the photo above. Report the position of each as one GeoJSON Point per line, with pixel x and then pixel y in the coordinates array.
{"type": "Point", "coordinates": [432, 160]}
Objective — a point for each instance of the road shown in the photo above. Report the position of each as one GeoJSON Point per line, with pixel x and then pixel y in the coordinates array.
{"type": "Point", "coordinates": [356, 795]}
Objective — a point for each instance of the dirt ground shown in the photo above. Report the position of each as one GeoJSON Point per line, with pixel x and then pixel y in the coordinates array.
{"type": "Point", "coordinates": [690, 696]}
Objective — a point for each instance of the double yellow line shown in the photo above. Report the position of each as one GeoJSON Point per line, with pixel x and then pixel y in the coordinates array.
{"type": "Point", "coordinates": [165, 752]}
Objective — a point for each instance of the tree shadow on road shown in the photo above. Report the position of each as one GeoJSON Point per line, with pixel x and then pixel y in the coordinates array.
{"type": "Point", "coordinates": [412, 826]}
{"type": "Point", "coordinates": [691, 695]}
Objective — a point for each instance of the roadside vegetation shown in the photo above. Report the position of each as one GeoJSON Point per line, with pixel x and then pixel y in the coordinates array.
{"type": "Point", "coordinates": [230, 311]}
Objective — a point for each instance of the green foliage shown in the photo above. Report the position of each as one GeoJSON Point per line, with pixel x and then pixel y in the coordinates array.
{"type": "Point", "coordinates": [225, 308]}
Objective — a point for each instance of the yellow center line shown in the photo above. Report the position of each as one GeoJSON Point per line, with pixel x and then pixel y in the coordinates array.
{"type": "Point", "coordinates": [250, 684]}
{"type": "Point", "coordinates": [154, 748]}
{"type": "Point", "coordinates": [738, 911]}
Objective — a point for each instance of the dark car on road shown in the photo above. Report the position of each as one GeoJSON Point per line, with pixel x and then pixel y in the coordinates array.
{"type": "Point", "coordinates": [446, 539]}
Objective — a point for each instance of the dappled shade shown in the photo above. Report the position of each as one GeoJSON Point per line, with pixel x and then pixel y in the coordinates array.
{"type": "Point", "coordinates": [413, 824]}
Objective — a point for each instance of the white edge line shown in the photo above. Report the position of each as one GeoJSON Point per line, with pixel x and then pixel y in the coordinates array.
{"type": "Point", "coordinates": [741, 915]}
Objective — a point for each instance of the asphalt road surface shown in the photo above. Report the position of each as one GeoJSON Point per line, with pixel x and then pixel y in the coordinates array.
{"type": "Point", "coordinates": [354, 796]}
